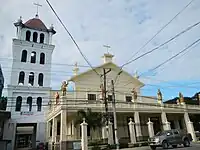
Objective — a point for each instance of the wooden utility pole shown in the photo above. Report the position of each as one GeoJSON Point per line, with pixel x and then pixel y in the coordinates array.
{"type": "Point", "coordinates": [114, 115]}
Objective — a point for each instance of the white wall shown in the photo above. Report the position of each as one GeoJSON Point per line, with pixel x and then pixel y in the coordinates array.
{"type": "Point", "coordinates": [15, 90]}
{"type": "Point", "coordinates": [90, 82]}
{"type": "Point", "coordinates": [27, 67]}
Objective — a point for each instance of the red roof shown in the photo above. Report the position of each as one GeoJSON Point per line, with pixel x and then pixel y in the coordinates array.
{"type": "Point", "coordinates": [35, 23]}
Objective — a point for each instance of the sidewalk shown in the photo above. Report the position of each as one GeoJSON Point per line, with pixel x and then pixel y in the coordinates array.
{"type": "Point", "coordinates": [137, 148]}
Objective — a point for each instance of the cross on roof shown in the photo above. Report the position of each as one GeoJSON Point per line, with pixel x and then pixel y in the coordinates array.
{"type": "Point", "coordinates": [37, 5]}
{"type": "Point", "coordinates": [107, 47]}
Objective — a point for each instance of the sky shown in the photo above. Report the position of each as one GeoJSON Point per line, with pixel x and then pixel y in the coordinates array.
{"type": "Point", "coordinates": [125, 25]}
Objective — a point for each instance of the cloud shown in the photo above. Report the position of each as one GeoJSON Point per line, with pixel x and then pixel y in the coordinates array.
{"type": "Point", "coordinates": [125, 25]}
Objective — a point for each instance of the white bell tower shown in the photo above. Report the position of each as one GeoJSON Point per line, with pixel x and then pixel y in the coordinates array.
{"type": "Point", "coordinates": [29, 89]}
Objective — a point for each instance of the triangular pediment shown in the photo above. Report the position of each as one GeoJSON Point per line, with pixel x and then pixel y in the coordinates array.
{"type": "Point", "coordinates": [115, 70]}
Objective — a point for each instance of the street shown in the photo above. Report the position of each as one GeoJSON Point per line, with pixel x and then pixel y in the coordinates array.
{"type": "Point", "coordinates": [192, 147]}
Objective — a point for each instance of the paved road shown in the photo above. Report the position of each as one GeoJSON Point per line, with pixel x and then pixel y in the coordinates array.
{"type": "Point", "coordinates": [192, 147]}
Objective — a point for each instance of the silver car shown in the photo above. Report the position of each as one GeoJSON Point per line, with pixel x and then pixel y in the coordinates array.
{"type": "Point", "coordinates": [168, 138]}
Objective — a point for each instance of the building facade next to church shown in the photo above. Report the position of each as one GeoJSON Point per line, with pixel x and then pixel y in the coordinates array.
{"type": "Point", "coordinates": [29, 89]}
{"type": "Point", "coordinates": [1, 81]}
{"type": "Point", "coordinates": [86, 93]}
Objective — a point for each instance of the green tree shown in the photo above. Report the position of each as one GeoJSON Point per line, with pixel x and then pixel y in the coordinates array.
{"type": "Point", "coordinates": [3, 103]}
{"type": "Point", "coordinates": [93, 119]}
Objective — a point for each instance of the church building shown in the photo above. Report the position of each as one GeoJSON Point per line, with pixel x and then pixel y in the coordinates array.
{"type": "Point", "coordinates": [29, 88]}
{"type": "Point", "coordinates": [138, 116]}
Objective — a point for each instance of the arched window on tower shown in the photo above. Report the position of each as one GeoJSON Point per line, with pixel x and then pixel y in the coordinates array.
{"type": "Point", "coordinates": [24, 56]}
{"type": "Point", "coordinates": [33, 57]}
{"type": "Point", "coordinates": [35, 36]}
{"type": "Point", "coordinates": [18, 103]}
{"type": "Point", "coordinates": [31, 78]}
{"type": "Point", "coordinates": [29, 102]}
{"type": "Point", "coordinates": [42, 58]}
{"type": "Point", "coordinates": [41, 38]}
{"type": "Point", "coordinates": [21, 77]}
{"type": "Point", "coordinates": [28, 35]}
{"type": "Point", "coordinates": [39, 104]}
{"type": "Point", "coordinates": [40, 79]}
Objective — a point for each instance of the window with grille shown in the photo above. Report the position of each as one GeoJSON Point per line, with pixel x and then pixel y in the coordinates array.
{"type": "Point", "coordinates": [92, 97]}
{"type": "Point", "coordinates": [18, 103]}
{"type": "Point", "coordinates": [110, 98]}
{"type": "Point", "coordinates": [128, 98]}
{"type": "Point", "coordinates": [29, 102]}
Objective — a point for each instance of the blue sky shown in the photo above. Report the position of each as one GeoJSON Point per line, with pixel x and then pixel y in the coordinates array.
{"type": "Point", "coordinates": [123, 24]}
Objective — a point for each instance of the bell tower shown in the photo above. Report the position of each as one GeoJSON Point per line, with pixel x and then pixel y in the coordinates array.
{"type": "Point", "coordinates": [29, 88]}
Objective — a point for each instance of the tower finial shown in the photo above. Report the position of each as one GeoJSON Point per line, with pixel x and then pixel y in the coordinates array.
{"type": "Point", "coordinates": [76, 69]}
{"type": "Point", "coordinates": [37, 5]}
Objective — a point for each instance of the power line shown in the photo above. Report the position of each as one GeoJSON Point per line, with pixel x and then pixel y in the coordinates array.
{"type": "Point", "coordinates": [176, 59]}
{"type": "Point", "coordinates": [173, 86]}
{"type": "Point", "coordinates": [171, 39]}
{"type": "Point", "coordinates": [163, 81]}
{"type": "Point", "coordinates": [160, 30]}
{"type": "Point", "coordinates": [63, 64]}
{"type": "Point", "coordinates": [156, 48]}
{"type": "Point", "coordinates": [121, 102]}
{"type": "Point", "coordinates": [185, 49]}
{"type": "Point", "coordinates": [84, 99]}
{"type": "Point", "coordinates": [71, 37]}
{"type": "Point", "coordinates": [168, 82]}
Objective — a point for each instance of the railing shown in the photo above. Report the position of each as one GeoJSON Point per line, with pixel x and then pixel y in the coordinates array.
{"type": "Point", "coordinates": [99, 105]}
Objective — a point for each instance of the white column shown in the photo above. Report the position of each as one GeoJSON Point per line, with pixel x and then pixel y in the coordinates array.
{"type": "Point", "coordinates": [40, 136]}
{"type": "Point", "coordinates": [48, 130]}
{"type": "Point", "coordinates": [34, 137]}
{"type": "Point", "coordinates": [166, 124]}
{"type": "Point", "coordinates": [110, 133]}
{"type": "Point", "coordinates": [132, 131]}
{"type": "Point", "coordinates": [84, 139]}
{"type": "Point", "coordinates": [104, 132]}
{"type": "Point", "coordinates": [19, 33]}
{"type": "Point", "coordinates": [73, 130]}
{"type": "Point", "coordinates": [189, 126]}
{"type": "Point", "coordinates": [150, 128]}
{"type": "Point", "coordinates": [50, 38]}
{"type": "Point", "coordinates": [137, 125]}
{"type": "Point", "coordinates": [13, 128]}
{"type": "Point", "coordinates": [63, 126]}
{"type": "Point", "coordinates": [54, 130]}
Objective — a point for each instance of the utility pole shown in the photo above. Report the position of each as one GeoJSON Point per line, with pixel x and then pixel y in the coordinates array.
{"type": "Point", "coordinates": [105, 94]}
{"type": "Point", "coordinates": [114, 114]}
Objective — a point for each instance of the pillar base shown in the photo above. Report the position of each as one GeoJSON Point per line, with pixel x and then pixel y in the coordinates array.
{"type": "Point", "coordinates": [139, 138]}
{"type": "Point", "coordinates": [191, 131]}
{"type": "Point", "coordinates": [166, 126]}
{"type": "Point", "coordinates": [64, 145]}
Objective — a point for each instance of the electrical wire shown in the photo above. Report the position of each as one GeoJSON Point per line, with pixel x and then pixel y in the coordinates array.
{"type": "Point", "coordinates": [156, 48]}
{"type": "Point", "coordinates": [171, 39]}
{"type": "Point", "coordinates": [71, 37]}
{"type": "Point", "coordinates": [63, 64]}
{"type": "Point", "coordinates": [117, 102]}
{"type": "Point", "coordinates": [174, 56]}
{"type": "Point", "coordinates": [160, 30]}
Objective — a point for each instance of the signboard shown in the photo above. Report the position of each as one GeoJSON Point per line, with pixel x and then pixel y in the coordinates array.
{"type": "Point", "coordinates": [76, 145]}
{"type": "Point", "coordinates": [26, 113]}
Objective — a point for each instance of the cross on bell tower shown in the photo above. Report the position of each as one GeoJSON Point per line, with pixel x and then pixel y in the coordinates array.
{"type": "Point", "coordinates": [37, 5]}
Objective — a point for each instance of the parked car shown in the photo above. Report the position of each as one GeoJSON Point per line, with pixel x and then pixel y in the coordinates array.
{"type": "Point", "coordinates": [168, 138]}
